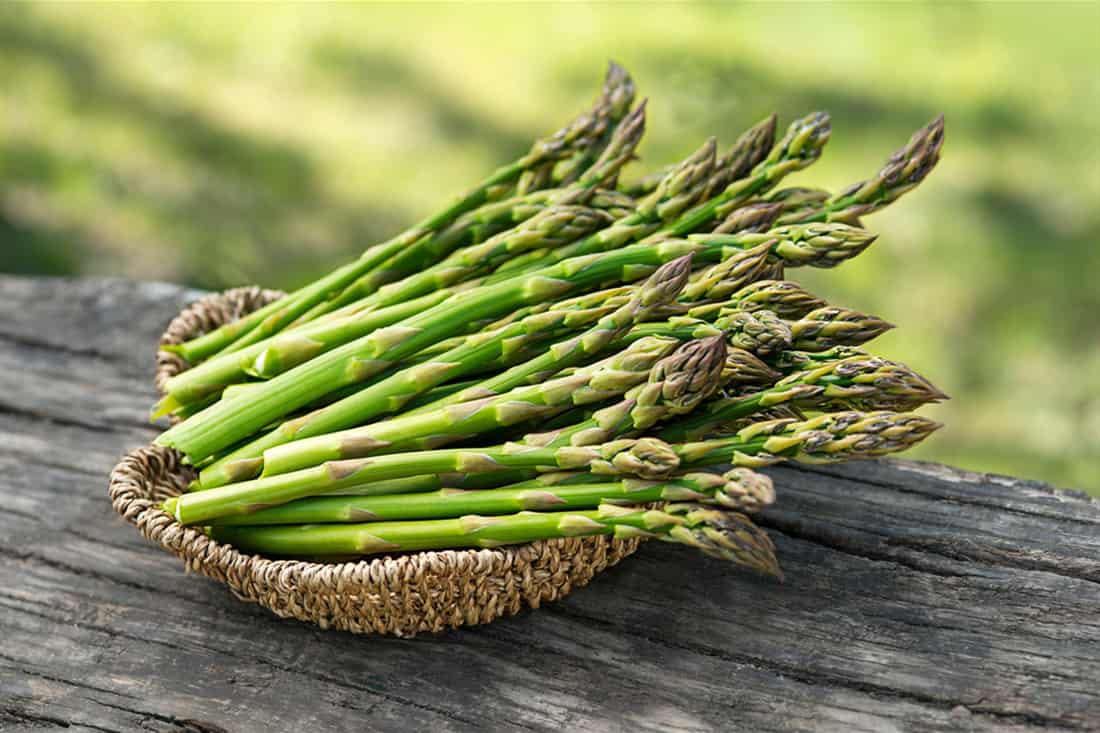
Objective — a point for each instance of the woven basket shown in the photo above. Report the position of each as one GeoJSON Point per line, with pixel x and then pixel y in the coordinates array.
{"type": "Point", "coordinates": [400, 595]}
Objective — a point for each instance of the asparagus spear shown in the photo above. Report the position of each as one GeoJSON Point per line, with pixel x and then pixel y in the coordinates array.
{"type": "Point", "coordinates": [740, 488]}
{"type": "Point", "coordinates": [674, 387]}
{"type": "Point", "coordinates": [680, 189]}
{"type": "Point", "coordinates": [799, 148]}
{"type": "Point", "coordinates": [458, 481]}
{"type": "Point", "coordinates": [711, 283]}
{"type": "Point", "coordinates": [666, 284]}
{"type": "Point", "coordinates": [560, 222]}
{"type": "Point", "coordinates": [471, 228]}
{"type": "Point", "coordinates": [824, 328]}
{"type": "Point", "coordinates": [745, 154]}
{"type": "Point", "coordinates": [759, 332]}
{"type": "Point", "coordinates": [231, 421]}
{"type": "Point", "coordinates": [395, 390]}
{"type": "Point", "coordinates": [283, 351]}
{"type": "Point", "coordinates": [726, 535]}
{"type": "Point", "coordinates": [859, 382]}
{"type": "Point", "coordinates": [274, 316]}
{"type": "Point", "coordinates": [604, 379]}
{"type": "Point", "coordinates": [798, 201]}
{"type": "Point", "coordinates": [645, 458]}
{"type": "Point", "coordinates": [730, 536]}
{"type": "Point", "coordinates": [615, 100]}
{"type": "Point", "coordinates": [785, 298]}
{"type": "Point", "coordinates": [828, 438]}
{"type": "Point", "coordinates": [903, 172]}
{"type": "Point", "coordinates": [764, 334]}
{"type": "Point", "coordinates": [815, 245]}
{"type": "Point", "coordinates": [743, 370]}
{"type": "Point", "coordinates": [754, 217]}
{"type": "Point", "coordinates": [485, 257]}
{"type": "Point", "coordinates": [721, 280]}
{"type": "Point", "coordinates": [554, 225]}
{"type": "Point", "coordinates": [794, 360]}
{"type": "Point", "coordinates": [749, 151]}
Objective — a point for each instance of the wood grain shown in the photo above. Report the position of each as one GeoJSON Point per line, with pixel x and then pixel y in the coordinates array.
{"type": "Point", "coordinates": [918, 597]}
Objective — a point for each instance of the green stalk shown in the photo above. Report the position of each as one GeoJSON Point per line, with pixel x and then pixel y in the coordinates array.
{"type": "Point", "coordinates": [394, 391]}
{"type": "Point", "coordinates": [451, 481]}
{"type": "Point", "coordinates": [278, 354]}
{"type": "Point", "coordinates": [828, 438]}
{"type": "Point", "coordinates": [605, 379]}
{"type": "Point", "coordinates": [644, 458]}
{"type": "Point", "coordinates": [741, 489]}
{"type": "Point", "coordinates": [726, 535]}
{"type": "Point", "coordinates": [231, 421]}
{"type": "Point", "coordinates": [553, 225]}
{"type": "Point", "coordinates": [565, 218]}
{"type": "Point", "coordinates": [764, 334]}
{"type": "Point", "coordinates": [471, 228]}
{"type": "Point", "coordinates": [663, 287]}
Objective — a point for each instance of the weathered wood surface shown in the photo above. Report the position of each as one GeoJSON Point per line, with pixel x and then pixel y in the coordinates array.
{"type": "Point", "coordinates": [917, 597]}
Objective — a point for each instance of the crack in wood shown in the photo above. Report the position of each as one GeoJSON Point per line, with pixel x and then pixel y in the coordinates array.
{"type": "Point", "coordinates": [29, 342]}
{"type": "Point", "coordinates": [964, 478]}
{"type": "Point", "coordinates": [818, 677]}
{"type": "Point", "coordinates": [27, 717]}
{"type": "Point", "coordinates": [795, 530]}
{"type": "Point", "coordinates": [67, 421]}
{"type": "Point", "coordinates": [25, 556]}
{"type": "Point", "coordinates": [328, 679]}
{"type": "Point", "coordinates": [16, 666]}
{"type": "Point", "coordinates": [184, 725]}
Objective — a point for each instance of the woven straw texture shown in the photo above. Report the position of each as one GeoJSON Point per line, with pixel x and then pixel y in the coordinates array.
{"type": "Point", "coordinates": [399, 595]}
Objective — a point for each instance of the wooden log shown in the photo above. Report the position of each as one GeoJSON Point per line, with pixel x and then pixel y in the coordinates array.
{"type": "Point", "coordinates": [918, 597]}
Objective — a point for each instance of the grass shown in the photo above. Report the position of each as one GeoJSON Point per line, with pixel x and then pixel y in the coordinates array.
{"type": "Point", "coordinates": [217, 145]}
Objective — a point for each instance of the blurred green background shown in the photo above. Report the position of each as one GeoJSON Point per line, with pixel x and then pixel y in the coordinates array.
{"type": "Point", "coordinates": [217, 145]}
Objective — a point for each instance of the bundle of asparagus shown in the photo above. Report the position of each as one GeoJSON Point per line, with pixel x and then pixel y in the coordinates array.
{"type": "Point", "coordinates": [557, 354]}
